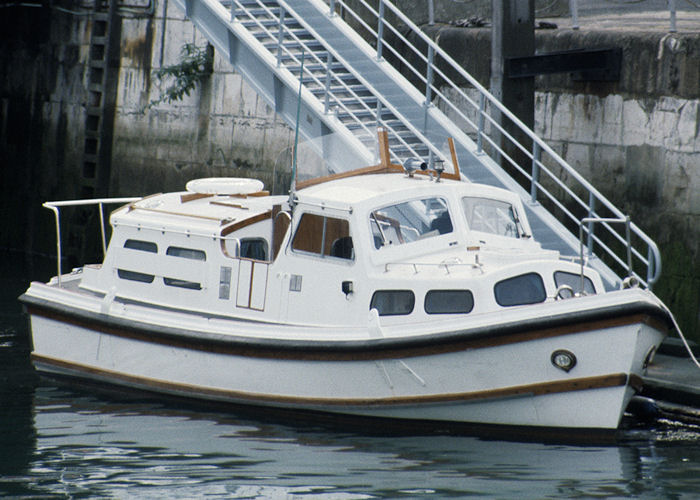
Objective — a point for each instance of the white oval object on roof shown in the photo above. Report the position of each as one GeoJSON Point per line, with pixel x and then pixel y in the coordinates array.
{"type": "Point", "coordinates": [224, 185]}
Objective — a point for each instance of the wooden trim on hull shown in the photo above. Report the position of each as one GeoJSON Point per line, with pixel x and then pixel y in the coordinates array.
{"type": "Point", "coordinates": [375, 349]}
{"type": "Point", "coordinates": [52, 365]}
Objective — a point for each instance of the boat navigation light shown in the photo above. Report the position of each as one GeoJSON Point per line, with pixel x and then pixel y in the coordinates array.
{"type": "Point", "coordinates": [439, 167]}
{"type": "Point", "coordinates": [563, 359]}
{"type": "Point", "coordinates": [413, 164]}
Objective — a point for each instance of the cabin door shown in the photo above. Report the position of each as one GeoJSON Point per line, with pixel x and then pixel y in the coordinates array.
{"type": "Point", "coordinates": [252, 284]}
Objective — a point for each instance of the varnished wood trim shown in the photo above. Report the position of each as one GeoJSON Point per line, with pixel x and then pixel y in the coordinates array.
{"type": "Point", "coordinates": [246, 222]}
{"type": "Point", "coordinates": [539, 389]}
{"type": "Point", "coordinates": [384, 156]}
{"type": "Point", "coordinates": [131, 206]}
{"type": "Point", "coordinates": [455, 162]}
{"type": "Point", "coordinates": [312, 351]}
{"type": "Point", "coordinates": [184, 198]}
{"type": "Point", "coordinates": [385, 166]}
{"type": "Point", "coordinates": [230, 205]}
{"type": "Point", "coordinates": [636, 382]}
{"type": "Point", "coordinates": [375, 169]}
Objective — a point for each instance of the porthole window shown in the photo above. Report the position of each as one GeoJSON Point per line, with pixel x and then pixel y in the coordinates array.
{"type": "Point", "coordinates": [574, 281]}
{"type": "Point", "coordinates": [393, 302]}
{"type": "Point", "coordinates": [520, 290]}
{"type": "Point", "coordinates": [448, 302]}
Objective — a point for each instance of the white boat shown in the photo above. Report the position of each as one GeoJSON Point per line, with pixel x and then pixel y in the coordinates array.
{"type": "Point", "coordinates": [374, 293]}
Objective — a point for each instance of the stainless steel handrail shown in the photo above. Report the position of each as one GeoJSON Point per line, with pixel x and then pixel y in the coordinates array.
{"type": "Point", "coordinates": [55, 207]}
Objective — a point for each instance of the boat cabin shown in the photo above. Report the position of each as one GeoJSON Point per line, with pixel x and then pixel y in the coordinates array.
{"type": "Point", "coordinates": [412, 248]}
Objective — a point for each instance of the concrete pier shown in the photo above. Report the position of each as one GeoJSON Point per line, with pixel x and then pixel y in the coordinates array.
{"type": "Point", "coordinates": [673, 377]}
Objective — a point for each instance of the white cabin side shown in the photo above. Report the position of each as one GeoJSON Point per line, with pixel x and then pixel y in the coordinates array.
{"type": "Point", "coordinates": [412, 249]}
{"type": "Point", "coordinates": [209, 255]}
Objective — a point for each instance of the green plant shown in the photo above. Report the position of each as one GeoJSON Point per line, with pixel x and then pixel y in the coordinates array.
{"type": "Point", "coordinates": [196, 63]}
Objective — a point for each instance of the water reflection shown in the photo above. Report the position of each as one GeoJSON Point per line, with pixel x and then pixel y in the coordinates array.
{"type": "Point", "coordinates": [89, 445]}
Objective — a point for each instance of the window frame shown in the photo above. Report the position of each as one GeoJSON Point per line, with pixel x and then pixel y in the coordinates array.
{"type": "Point", "coordinates": [543, 290]}
{"type": "Point", "coordinates": [325, 243]}
{"type": "Point", "coordinates": [588, 285]}
{"type": "Point", "coordinates": [372, 304]}
{"type": "Point", "coordinates": [376, 217]}
{"type": "Point", "coordinates": [445, 291]}
{"type": "Point", "coordinates": [141, 245]}
{"type": "Point", "coordinates": [186, 253]}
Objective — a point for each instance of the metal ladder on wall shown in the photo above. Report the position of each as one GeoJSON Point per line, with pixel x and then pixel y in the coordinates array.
{"type": "Point", "coordinates": [349, 88]}
{"type": "Point", "coordinates": [102, 81]}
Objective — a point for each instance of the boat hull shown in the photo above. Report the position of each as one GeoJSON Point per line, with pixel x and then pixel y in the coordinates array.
{"type": "Point", "coordinates": [507, 379]}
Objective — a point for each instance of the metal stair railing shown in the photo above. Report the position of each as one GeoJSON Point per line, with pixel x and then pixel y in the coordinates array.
{"type": "Point", "coordinates": [574, 198]}
{"type": "Point", "coordinates": [354, 107]}
{"type": "Point", "coordinates": [326, 90]}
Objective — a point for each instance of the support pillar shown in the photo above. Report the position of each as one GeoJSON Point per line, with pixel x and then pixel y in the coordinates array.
{"type": "Point", "coordinates": [513, 35]}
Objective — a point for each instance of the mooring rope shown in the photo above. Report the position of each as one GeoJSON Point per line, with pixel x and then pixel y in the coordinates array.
{"type": "Point", "coordinates": [680, 334]}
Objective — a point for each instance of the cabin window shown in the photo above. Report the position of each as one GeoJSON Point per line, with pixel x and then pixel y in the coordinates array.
{"type": "Point", "coordinates": [574, 281]}
{"type": "Point", "coordinates": [492, 216]}
{"type": "Point", "coordinates": [393, 302]}
{"type": "Point", "coordinates": [448, 302]}
{"type": "Point", "coordinates": [520, 290]}
{"type": "Point", "coordinates": [143, 246]}
{"type": "Point", "coordinates": [410, 221]}
{"type": "Point", "coordinates": [324, 236]}
{"type": "Point", "coordinates": [254, 248]}
{"type": "Point", "coordinates": [135, 276]}
{"type": "Point", "coordinates": [186, 253]}
{"type": "Point", "coordinates": [189, 285]}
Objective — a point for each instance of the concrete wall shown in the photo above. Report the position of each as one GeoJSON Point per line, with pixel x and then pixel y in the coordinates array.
{"type": "Point", "coordinates": [43, 56]}
{"type": "Point", "coordinates": [223, 128]}
{"type": "Point", "coordinates": [638, 141]}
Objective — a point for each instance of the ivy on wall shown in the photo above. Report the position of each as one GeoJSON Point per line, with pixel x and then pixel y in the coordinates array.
{"type": "Point", "coordinates": [196, 64]}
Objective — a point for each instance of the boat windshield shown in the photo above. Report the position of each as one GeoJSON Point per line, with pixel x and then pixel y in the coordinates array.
{"type": "Point", "coordinates": [491, 216]}
{"type": "Point", "coordinates": [410, 221]}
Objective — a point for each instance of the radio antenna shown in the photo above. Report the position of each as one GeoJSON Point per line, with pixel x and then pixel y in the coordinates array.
{"type": "Point", "coordinates": [293, 186]}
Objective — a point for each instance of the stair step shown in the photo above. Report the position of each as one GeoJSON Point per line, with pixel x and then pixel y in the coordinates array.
{"type": "Point", "coordinates": [312, 67]}
{"type": "Point", "coordinates": [268, 22]}
{"type": "Point", "coordinates": [249, 3]}
{"type": "Point", "coordinates": [299, 33]}
{"type": "Point", "coordinates": [295, 47]}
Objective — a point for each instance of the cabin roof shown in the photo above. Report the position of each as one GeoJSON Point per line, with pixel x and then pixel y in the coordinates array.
{"type": "Point", "coordinates": [385, 187]}
{"type": "Point", "coordinates": [204, 212]}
